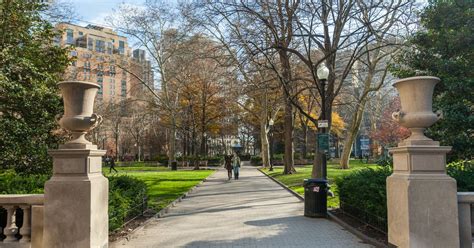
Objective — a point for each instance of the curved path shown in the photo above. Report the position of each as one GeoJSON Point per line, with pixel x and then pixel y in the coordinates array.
{"type": "Point", "coordinates": [250, 212]}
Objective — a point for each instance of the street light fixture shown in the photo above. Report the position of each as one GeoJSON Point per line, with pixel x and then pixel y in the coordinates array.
{"type": "Point", "coordinates": [316, 189]}
{"type": "Point", "coordinates": [270, 124]}
{"type": "Point", "coordinates": [323, 74]}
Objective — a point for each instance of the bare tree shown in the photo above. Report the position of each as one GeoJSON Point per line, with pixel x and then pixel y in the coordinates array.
{"type": "Point", "coordinates": [152, 27]}
{"type": "Point", "coordinates": [255, 27]}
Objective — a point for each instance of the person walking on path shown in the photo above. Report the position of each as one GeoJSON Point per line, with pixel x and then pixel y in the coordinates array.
{"type": "Point", "coordinates": [228, 165]}
{"type": "Point", "coordinates": [236, 165]}
{"type": "Point", "coordinates": [112, 165]}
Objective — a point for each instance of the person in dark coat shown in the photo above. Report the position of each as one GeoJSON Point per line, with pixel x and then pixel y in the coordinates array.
{"type": "Point", "coordinates": [228, 165]}
{"type": "Point", "coordinates": [112, 165]}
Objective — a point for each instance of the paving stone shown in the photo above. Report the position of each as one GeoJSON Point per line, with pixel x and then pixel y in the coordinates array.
{"type": "Point", "coordinates": [250, 212]}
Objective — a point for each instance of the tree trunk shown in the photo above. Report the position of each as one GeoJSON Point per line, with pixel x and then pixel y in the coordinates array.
{"type": "Point", "coordinates": [288, 116]}
{"type": "Point", "coordinates": [288, 129]}
{"type": "Point", "coordinates": [305, 140]}
{"type": "Point", "coordinates": [265, 145]}
{"type": "Point", "coordinates": [172, 141]}
{"type": "Point", "coordinates": [139, 152]}
{"type": "Point", "coordinates": [116, 146]}
{"type": "Point", "coordinates": [352, 134]}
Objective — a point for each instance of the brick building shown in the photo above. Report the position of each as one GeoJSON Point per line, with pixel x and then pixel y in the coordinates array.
{"type": "Point", "coordinates": [104, 57]}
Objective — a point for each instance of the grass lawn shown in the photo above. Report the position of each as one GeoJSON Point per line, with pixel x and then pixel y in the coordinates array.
{"type": "Point", "coordinates": [106, 169]}
{"type": "Point", "coordinates": [295, 181]}
{"type": "Point", "coordinates": [166, 186]}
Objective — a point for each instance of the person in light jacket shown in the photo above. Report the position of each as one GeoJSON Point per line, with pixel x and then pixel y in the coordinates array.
{"type": "Point", "coordinates": [236, 165]}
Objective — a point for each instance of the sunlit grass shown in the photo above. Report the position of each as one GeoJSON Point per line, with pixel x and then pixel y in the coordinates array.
{"type": "Point", "coordinates": [106, 169]}
{"type": "Point", "coordinates": [295, 181]}
{"type": "Point", "coordinates": [166, 186]}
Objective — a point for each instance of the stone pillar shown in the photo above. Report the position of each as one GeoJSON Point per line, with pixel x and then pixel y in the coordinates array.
{"type": "Point", "coordinates": [76, 200]}
{"type": "Point", "coordinates": [421, 198]}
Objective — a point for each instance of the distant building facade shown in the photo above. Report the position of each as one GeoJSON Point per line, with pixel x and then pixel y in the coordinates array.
{"type": "Point", "coordinates": [104, 57]}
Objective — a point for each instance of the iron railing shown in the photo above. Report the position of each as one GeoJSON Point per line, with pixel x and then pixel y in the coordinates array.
{"type": "Point", "coordinates": [376, 222]}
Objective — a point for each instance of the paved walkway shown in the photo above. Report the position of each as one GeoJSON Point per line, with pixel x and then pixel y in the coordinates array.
{"type": "Point", "coordinates": [250, 212]}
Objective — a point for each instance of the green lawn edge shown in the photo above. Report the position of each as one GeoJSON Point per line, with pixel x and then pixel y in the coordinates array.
{"type": "Point", "coordinates": [295, 181]}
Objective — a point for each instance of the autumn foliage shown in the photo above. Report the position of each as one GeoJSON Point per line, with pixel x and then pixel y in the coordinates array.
{"type": "Point", "coordinates": [388, 131]}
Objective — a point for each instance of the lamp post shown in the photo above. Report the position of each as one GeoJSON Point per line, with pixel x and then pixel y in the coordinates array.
{"type": "Point", "coordinates": [270, 124]}
{"type": "Point", "coordinates": [316, 189]}
{"type": "Point", "coordinates": [323, 74]}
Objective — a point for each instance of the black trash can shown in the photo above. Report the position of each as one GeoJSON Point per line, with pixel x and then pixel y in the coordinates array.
{"type": "Point", "coordinates": [315, 197]}
{"type": "Point", "coordinates": [174, 165]}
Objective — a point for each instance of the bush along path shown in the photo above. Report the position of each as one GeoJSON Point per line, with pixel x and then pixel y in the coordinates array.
{"type": "Point", "coordinates": [295, 181]}
{"type": "Point", "coordinates": [360, 193]}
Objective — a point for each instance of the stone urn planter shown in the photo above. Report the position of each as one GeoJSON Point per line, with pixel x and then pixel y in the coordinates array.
{"type": "Point", "coordinates": [78, 115]}
{"type": "Point", "coordinates": [416, 114]}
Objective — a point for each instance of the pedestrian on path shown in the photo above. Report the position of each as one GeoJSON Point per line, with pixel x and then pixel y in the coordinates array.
{"type": "Point", "coordinates": [112, 165]}
{"type": "Point", "coordinates": [228, 165]}
{"type": "Point", "coordinates": [236, 165]}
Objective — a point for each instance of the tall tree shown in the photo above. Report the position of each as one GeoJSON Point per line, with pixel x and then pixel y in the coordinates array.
{"type": "Point", "coordinates": [444, 47]}
{"type": "Point", "coordinates": [152, 26]}
{"type": "Point", "coordinates": [30, 68]}
{"type": "Point", "coordinates": [261, 26]}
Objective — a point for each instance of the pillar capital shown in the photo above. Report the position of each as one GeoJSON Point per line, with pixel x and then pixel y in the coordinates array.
{"type": "Point", "coordinates": [419, 159]}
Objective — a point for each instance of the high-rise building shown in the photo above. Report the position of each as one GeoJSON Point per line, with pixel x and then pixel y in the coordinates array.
{"type": "Point", "coordinates": [145, 67]}
{"type": "Point", "coordinates": [104, 57]}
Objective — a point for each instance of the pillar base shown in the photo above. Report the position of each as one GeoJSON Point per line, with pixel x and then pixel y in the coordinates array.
{"type": "Point", "coordinates": [76, 200]}
{"type": "Point", "coordinates": [421, 199]}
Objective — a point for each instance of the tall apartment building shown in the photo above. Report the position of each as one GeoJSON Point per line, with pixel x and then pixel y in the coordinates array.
{"type": "Point", "coordinates": [104, 57]}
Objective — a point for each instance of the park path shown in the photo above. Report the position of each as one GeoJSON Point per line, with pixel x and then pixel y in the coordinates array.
{"type": "Point", "coordinates": [250, 212]}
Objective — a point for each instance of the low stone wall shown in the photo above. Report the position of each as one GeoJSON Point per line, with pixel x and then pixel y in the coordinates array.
{"type": "Point", "coordinates": [23, 215]}
{"type": "Point", "coordinates": [466, 218]}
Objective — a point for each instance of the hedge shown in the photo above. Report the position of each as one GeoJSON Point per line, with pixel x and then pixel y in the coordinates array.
{"type": "Point", "coordinates": [126, 193]}
{"type": "Point", "coordinates": [363, 193]}
{"type": "Point", "coordinates": [256, 160]}
{"type": "Point", "coordinates": [127, 199]}
{"type": "Point", "coordinates": [12, 183]}
{"type": "Point", "coordinates": [463, 172]}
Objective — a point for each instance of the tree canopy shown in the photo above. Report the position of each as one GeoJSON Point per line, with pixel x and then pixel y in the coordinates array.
{"type": "Point", "coordinates": [444, 47]}
{"type": "Point", "coordinates": [30, 67]}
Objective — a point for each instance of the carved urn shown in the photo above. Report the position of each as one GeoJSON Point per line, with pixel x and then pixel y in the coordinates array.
{"type": "Point", "coordinates": [416, 114]}
{"type": "Point", "coordinates": [78, 115]}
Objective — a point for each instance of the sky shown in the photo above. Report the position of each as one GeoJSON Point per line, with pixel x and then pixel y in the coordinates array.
{"type": "Point", "coordinates": [95, 11]}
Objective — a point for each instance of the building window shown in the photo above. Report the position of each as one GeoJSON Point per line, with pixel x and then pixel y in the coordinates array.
{"type": "Point", "coordinates": [124, 88]}
{"type": "Point", "coordinates": [112, 87]}
{"type": "Point", "coordinates": [87, 70]}
{"type": "Point", "coordinates": [100, 46]}
{"type": "Point", "coordinates": [87, 65]}
{"type": "Point", "coordinates": [69, 36]}
{"type": "Point", "coordinates": [100, 70]}
{"type": "Point", "coordinates": [100, 80]}
{"type": "Point", "coordinates": [121, 47]}
{"type": "Point", "coordinates": [112, 71]}
{"type": "Point", "coordinates": [81, 33]}
{"type": "Point", "coordinates": [90, 44]}
{"type": "Point", "coordinates": [110, 47]}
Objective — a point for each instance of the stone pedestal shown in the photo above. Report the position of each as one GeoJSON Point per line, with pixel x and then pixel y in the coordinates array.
{"type": "Point", "coordinates": [421, 198]}
{"type": "Point", "coordinates": [76, 200]}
